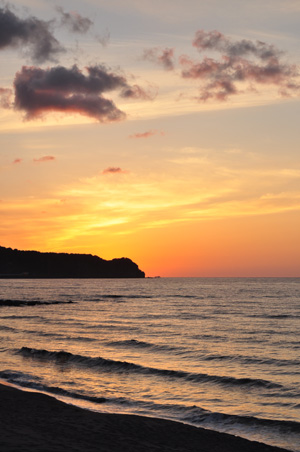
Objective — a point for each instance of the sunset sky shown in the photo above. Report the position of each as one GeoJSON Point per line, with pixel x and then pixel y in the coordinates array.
{"type": "Point", "coordinates": [164, 131]}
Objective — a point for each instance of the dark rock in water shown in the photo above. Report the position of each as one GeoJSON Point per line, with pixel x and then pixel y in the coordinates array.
{"type": "Point", "coordinates": [33, 264]}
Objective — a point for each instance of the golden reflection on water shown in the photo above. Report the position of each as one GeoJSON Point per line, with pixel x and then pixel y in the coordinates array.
{"type": "Point", "coordinates": [161, 352]}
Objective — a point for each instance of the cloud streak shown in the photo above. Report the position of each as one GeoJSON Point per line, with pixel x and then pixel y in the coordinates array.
{"type": "Point", "coordinates": [30, 34]}
{"type": "Point", "coordinates": [45, 158]}
{"type": "Point", "coordinates": [60, 89]}
{"type": "Point", "coordinates": [147, 134]}
{"type": "Point", "coordinates": [114, 170]}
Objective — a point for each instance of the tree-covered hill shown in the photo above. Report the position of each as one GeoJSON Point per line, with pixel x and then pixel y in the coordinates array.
{"type": "Point", "coordinates": [34, 264]}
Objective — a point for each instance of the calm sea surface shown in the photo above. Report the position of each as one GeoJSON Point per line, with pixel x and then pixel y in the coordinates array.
{"type": "Point", "coordinates": [222, 353]}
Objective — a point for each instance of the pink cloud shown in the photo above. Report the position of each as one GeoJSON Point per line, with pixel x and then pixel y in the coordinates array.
{"type": "Point", "coordinates": [114, 170]}
{"type": "Point", "coordinates": [147, 134]}
{"type": "Point", "coordinates": [46, 158]}
{"type": "Point", "coordinates": [246, 62]}
{"type": "Point", "coordinates": [228, 67]}
{"type": "Point", "coordinates": [17, 161]}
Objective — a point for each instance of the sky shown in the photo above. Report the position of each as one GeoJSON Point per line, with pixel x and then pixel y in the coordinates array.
{"type": "Point", "coordinates": [166, 132]}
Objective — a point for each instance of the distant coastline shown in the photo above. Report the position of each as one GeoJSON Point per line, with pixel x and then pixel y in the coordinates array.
{"type": "Point", "coordinates": [34, 264]}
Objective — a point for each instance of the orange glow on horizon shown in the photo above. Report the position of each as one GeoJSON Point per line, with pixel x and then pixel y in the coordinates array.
{"type": "Point", "coordinates": [214, 248]}
{"type": "Point", "coordinates": [177, 148]}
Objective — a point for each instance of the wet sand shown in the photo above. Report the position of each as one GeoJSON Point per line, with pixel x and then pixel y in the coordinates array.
{"type": "Point", "coordinates": [33, 422]}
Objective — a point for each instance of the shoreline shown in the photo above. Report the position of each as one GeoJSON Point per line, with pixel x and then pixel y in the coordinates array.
{"type": "Point", "coordinates": [35, 422]}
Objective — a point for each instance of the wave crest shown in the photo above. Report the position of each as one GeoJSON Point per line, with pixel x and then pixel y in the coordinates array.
{"type": "Point", "coordinates": [62, 357]}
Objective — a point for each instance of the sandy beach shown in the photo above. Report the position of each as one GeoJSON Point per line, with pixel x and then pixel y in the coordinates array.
{"type": "Point", "coordinates": [32, 422]}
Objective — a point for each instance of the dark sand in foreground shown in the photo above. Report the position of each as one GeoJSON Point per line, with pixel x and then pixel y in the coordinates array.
{"type": "Point", "coordinates": [31, 422]}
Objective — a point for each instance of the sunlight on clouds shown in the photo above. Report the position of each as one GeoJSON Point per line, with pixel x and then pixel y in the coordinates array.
{"type": "Point", "coordinates": [174, 98]}
{"type": "Point", "coordinates": [135, 204]}
{"type": "Point", "coordinates": [161, 130]}
{"type": "Point", "coordinates": [200, 185]}
{"type": "Point", "coordinates": [166, 105]}
{"type": "Point", "coordinates": [106, 223]}
{"type": "Point", "coordinates": [12, 121]}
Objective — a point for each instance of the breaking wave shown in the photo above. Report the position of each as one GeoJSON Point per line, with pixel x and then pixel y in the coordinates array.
{"type": "Point", "coordinates": [194, 415]}
{"type": "Point", "coordinates": [103, 364]}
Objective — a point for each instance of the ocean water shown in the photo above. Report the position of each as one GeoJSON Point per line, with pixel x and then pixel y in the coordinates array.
{"type": "Point", "coordinates": [223, 353]}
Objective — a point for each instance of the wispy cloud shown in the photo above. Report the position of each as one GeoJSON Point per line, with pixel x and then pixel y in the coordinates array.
{"type": "Point", "coordinates": [74, 21]}
{"type": "Point", "coordinates": [147, 134]}
{"type": "Point", "coordinates": [151, 203]}
{"type": "Point", "coordinates": [162, 57]}
{"type": "Point", "coordinates": [45, 158]}
{"type": "Point", "coordinates": [5, 97]}
{"type": "Point", "coordinates": [214, 40]}
{"type": "Point", "coordinates": [30, 34]}
{"type": "Point", "coordinates": [103, 38]}
{"type": "Point", "coordinates": [16, 161]}
{"type": "Point", "coordinates": [136, 92]}
{"type": "Point", "coordinates": [38, 91]}
{"type": "Point", "coordinates": [98, 205]}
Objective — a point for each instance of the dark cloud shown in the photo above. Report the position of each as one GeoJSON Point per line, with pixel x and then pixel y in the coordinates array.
{"type": "Point", "coordinates": [45, 158]}
{"type": "Point", "coordinates": [162, 57]}
{"type": "Point", "coordinates": [74, 21]}
{"type": "Point", "coordinates": [243, 63]}
{"type": "Point", "coordinates": [113, 170]}
{"type": "Point", "coordinates": [5, 97]}
{"type": "Point", "coordinates": [147, 134]}
{"type": "Point", "coordinates": [30, 34]}
{"type": "Point", "coordinates": [38, 91]}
